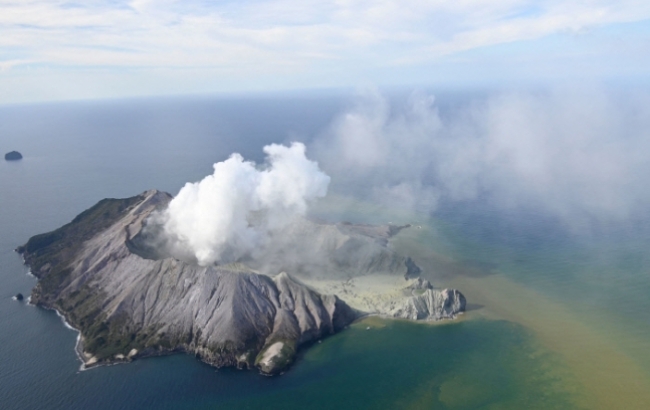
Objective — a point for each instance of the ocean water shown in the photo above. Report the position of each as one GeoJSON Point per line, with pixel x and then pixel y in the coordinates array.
{"type": "Point", "coordinates": [555, 320]}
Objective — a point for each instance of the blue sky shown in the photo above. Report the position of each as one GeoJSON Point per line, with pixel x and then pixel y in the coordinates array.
{"type": "Point", "coordinates": [61, 50]}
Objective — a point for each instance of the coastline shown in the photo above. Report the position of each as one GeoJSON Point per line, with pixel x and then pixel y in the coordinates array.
{"type": "Point", "coordinates": [78, 348]}
{"type": "Point", "coordinates": [387, 288]}
{"type": "Point", "coordinates": [78, 344]}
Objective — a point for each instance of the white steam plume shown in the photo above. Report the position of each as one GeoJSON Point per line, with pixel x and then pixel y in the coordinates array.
{"type": "Point", "coordinates": [233, 211]}
{"type": "Point", "coordinates": [576, 154]}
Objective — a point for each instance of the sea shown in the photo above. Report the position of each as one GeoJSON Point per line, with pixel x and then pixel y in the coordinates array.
{"type": "Point", "coordinates": [555, 320]}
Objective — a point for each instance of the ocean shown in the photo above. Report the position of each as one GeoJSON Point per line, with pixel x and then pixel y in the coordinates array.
{"type": "Point", "coordinates": [556, 319]}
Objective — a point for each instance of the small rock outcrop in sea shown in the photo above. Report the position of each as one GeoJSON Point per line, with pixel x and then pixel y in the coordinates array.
{"type": "Point", "coordinates": [13, 156]}
{"type": "Point", "coordinates": [130, 299]}
{"type": "Point", "coordinates": [19, 296]}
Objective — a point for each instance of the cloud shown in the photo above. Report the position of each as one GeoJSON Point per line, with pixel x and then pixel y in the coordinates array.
{"type": "Point", "coordinates": [191, 34]}
{"type": "Point", "coordinates": [576, 154]}
{"type": "Point", "coordinates": [9, 64]}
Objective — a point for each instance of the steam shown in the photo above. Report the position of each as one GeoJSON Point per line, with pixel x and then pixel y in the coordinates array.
{"type": "Point", "coordinates": [230, 213]}
{"type": "Point", "coordinates": [577, 155]}
{"type": "Point", "coordinates": [574, 155]}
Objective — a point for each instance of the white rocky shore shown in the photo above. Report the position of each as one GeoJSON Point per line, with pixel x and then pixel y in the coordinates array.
{"type": "Point", "coordinates": [394, 297]}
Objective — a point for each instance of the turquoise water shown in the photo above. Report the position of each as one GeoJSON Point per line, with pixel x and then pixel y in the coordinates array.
{"type": "Point", "coordinates": [535, 290]}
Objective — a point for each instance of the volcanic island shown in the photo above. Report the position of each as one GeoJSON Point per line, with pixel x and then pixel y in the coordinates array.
{"type": "Point", "coordinates": [129, 299]}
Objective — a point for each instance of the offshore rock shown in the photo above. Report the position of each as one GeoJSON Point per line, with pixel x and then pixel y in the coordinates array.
{"type": "Point", "coordinates": [13, 156]}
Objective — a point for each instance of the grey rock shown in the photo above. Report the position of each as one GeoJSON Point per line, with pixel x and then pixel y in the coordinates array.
{"type": "Point", "coordinates": [431, 305]}
{"type": "Point", "coordinates": [420, 284]}
{"type": "Point", "coordinates": [332, 251]}
{"type": "Point", "coordinates": [13, 156]}
{"type": "Point", "coordinates": [412, 270]}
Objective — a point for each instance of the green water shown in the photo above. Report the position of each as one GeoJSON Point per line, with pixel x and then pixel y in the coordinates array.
{"type": "Point", "coordinates": [474, 364]}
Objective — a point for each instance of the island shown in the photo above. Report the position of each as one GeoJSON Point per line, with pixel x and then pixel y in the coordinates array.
{"type": "Point", "coordinates": [129, 299]}
{"type": "Point", "coordinates": [13, 156]}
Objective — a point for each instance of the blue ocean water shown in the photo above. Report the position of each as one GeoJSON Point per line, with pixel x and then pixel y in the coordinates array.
{"type": "Point", "coordinates": [78, 153]}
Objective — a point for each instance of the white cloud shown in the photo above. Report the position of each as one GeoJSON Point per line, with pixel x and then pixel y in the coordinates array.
{"type": "Point", "coordinates": [282, 37]}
